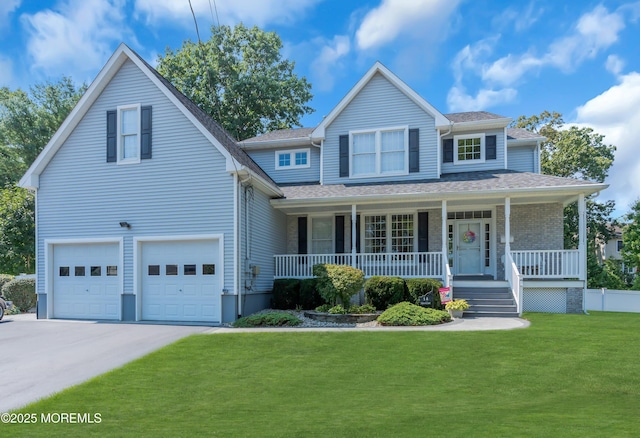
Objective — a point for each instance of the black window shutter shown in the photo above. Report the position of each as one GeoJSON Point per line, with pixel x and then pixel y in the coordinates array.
{"type": "Point", "coordinates": [344, 156]}
{"type": "Point", "coordinates": [414, 150]}
{"type": "Point", "coordinates": [358, 233]}
{"type": "Point", "coordinates": [339, 234]}
{"type": "Point", "coordinates": [145, 132]}
{"type": "Point", "coordinates": [302, 235]}
{"type": "Point", "coordinates": [447, 150]}
{"type": "Point", "coordinates": [490, 144]}
{"type": "Point", "coordinates": [423, 231]}
{"type": "Point", "coordinates": [112, 136]}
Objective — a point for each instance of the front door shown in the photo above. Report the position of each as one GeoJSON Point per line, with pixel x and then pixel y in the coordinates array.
{"type": "Point", "coordinates": [468, 247]}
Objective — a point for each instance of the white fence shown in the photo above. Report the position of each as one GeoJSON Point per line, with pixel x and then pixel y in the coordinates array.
{"type": "Point", "coordinates": [563, 263]}
{"type": "Point", "coordinates": [613, 300]}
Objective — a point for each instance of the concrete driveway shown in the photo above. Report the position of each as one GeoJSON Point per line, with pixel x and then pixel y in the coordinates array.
{"type": "Point", "coordinates": [41, 357]}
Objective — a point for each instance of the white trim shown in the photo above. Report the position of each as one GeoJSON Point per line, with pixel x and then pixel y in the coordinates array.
{"type": "Point", "coordinates": [119, 135]}
{"type": "Point", "coordinates": [292, 158]}
{"type": "Point", "coordinates": [378, 152]}
{"type": "Point", "coordinates": [321, 161]}
{"type": "Point", "coordinates": [49, 272]}
{"type": "Point", "coordinates": [440, 119]}
{"type": "Point", "coordinates": [236, 236]}
{"type": "Point", "coordinates": [138, 241]}
{"type": "Point", "coordinates": [481, 136]}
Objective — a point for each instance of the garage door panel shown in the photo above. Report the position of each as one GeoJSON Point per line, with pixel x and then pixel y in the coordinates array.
{"type": "Point", "coordinates": [81, 287]}
{"type": "Point", "coordinates": [190, 289]}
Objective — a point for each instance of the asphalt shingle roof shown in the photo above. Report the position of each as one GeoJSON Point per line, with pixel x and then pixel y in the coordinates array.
{"type": "Point", "coordinates": [225, 139]}
{"type": "Point", "coordinates": [468, 182]}
{"type": "Point", "coordinates": [472, 116]}
{"type": "Point", "coordinates": [281, 134]}
{"type": "Point", "coordinates": [521, 134]}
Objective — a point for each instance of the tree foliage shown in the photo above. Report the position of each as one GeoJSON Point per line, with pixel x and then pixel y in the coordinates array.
{"type": "Point", "coordinates": [240, 79]}
{"type": "Point", "coordinates": [631, 236]}
{"type": "Point", "coordinates": [580, 153]}
{"type": "Point", "coordinates": [28, 120]}
{"type": "Point", "coordinates": [17, 231]}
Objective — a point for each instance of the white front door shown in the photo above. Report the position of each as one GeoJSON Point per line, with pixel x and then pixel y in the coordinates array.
{"type": "Point", "coordinates": [468, 242]}
{"type": "Point", "coordinates": [181, 281]}
{"type": "Point", "coordinates": [86, 281]}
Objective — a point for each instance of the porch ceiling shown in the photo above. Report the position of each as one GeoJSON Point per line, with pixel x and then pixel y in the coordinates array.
{"type": "Point", "coordinates": [459, 190]}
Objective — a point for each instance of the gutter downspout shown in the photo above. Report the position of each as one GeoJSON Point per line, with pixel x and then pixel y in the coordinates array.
{"type": "Point", "coordinates": [440, 148]}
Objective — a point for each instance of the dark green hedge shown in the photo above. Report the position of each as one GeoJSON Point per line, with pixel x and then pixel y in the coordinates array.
{"type": "Point", "coordinates": [286, 293]}
{"type": "Point", "coordinates": [420, 286]}
{"type": "Point", "coordinates": [383, 292]}
{"type": "Point", "coordinates": [22, 292]}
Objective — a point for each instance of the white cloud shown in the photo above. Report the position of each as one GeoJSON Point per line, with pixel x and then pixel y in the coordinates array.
{"type": "Point", "coordinates": [614, 113]}
{"type": "Point", "coordinates": [325, 65]}
{"type": "Point", "coordinates": [594, 32]}
{"type": "Point", "coordinates": [6, 67]}
{"type": "Point", "coordinates": [459, 100]}
{"type": "Point", "coordinates": [392, 18]}
{"type": "Point", "coordinates": [521, 19]}
{"type": "Point", "coordinates": [229, 12]}
{"type": "Point", "coordinates": [6, 8]}
{"type": "Point", "coordinates": [614, 64]}
{"type": "Point", "coordinates": [76, 38]}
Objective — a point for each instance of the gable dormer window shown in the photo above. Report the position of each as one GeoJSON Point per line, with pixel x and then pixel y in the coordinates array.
{"type": "Point", "coordinates": [129, 134]}
{"type": "Point", "coordinates": [469, 149]}
{"type": "Point", "coordinates": [379, 153]}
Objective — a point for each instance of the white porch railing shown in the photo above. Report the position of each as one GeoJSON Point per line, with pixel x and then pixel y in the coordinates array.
{"type": "Point", "coordinates": [406, 264]}
{"type": "Point", "coordinates": [515, 282]}
{"type": "Point", "coordinates": [564, 263]}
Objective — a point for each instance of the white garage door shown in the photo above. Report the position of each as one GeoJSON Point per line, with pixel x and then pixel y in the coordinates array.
{"type": "Point", "coordinates": [86, 281]}
{"type": "Point", "coordinates": [180, 281]}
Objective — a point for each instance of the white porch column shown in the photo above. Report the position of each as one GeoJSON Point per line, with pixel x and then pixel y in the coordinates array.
{"type": "Point", "coordinates": [582, 236]}
{"type": "Point", "coordinates": [445, 236]}
{"type": "Point", "coordinates": [507, 233]}
{"type": "Point", "coordinates": [354, 218]}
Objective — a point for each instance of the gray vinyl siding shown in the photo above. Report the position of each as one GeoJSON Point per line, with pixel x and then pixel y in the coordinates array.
{"type": "Point", "coordinates": [521, 158]}
{"type": "Point", "coordinates": [183, 190]}
{"type": "Point", "coordinates": [381, 105]}
{"type": "Point", "coordinates": [266, 237]}
{"type": "Point", "coordinates": [496, 164]}
{"type": "Point", "coordinates": [266, 159]}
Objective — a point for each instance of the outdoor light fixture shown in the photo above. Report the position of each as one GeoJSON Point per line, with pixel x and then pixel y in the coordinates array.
{"type": "Point", "coordinates": [126, 225]}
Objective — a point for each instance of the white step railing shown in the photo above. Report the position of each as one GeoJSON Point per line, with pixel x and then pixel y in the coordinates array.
{"type": "Point", "coordinates": [406, 265]}
{"type": "Point", "coordinates": [564, 263]}
{"type": "Point", "coordinates": [515, 282]}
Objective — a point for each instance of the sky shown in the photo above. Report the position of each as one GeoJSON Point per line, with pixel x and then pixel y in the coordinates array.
{"type": "Point", "coordinates": [580, 58]}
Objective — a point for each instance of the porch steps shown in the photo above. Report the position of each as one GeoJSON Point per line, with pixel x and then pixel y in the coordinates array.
{"type": "Point", "coordinates": [491, 298]}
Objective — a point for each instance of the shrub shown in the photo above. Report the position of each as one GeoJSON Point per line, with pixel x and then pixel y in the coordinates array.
{"type": "Point", "coordinates": [286, 293]}
{"type": "Point", "coordinates": [338, 282]}
{"type": "Point", "coordinates": [4, 279]}
{"type": "Point", "coordinates": [365, 308]}
{"type": "Point", "coordinates": [383, 292]}
{"type": "Point", "coordinates": [337, 310]}
{"type": "Point", "coordinates": [406, 313]}
{"type": "Point", "coordinates": [309, 296]}
{"type": "Point", "coordinates": [22, 291]}
{"type": "Point", "coordinates": [324, 308]}
{"type": "Point", "coordinates": [420, 286]}
{"type": "Point", "coordinates": [270, 319]}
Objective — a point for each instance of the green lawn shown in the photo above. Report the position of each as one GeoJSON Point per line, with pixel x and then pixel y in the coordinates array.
{"type": "Point", "coordinates": [566, 375]}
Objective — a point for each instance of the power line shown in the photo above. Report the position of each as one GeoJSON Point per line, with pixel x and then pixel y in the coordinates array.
{"type": "Point", "coordinates": [216, 8]}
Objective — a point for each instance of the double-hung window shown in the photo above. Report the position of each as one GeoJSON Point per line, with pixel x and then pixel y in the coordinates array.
{"type": "Point", "coordinates": [389, 233]}
{"type": "Point", "coordinates": [380, 152]}
{"type": "Point", "coordinates": [469, 148]}
{"type": "Point", "coordinates": [129, 134]}
{"type": "Point", "coordinates": [292, 159]}
{"type": "Point", "coordinates": [322, 235]}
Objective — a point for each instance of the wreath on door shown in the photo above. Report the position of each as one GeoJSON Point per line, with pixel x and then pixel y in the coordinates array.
{"type": "Point", "coordinates": [469, 236]}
